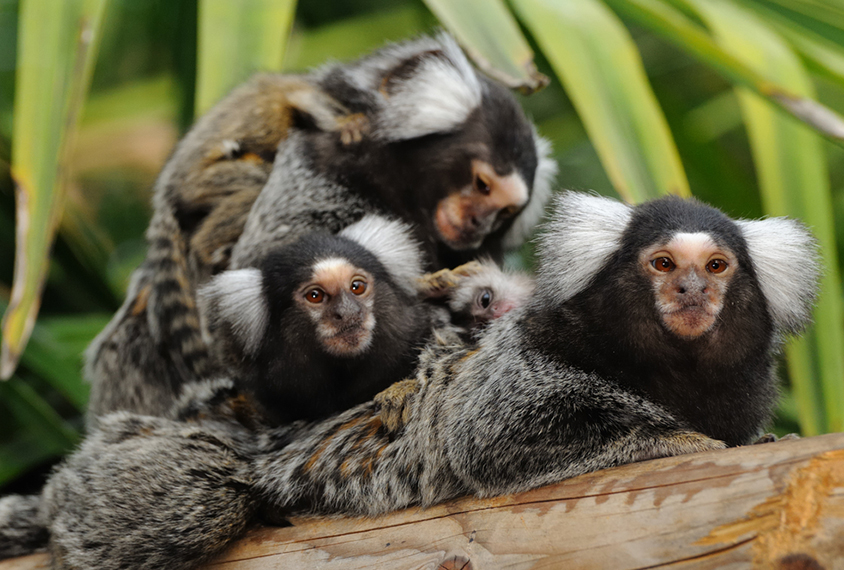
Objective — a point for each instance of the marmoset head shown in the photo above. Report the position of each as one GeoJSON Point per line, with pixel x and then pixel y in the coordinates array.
{"type": "Point", "coordinates": [486, 293]}
{"type": "Point", "coordinates": [681, 263]}
{"type": "Point", "coordinates": [339, 298]}
{"type": "Point", "coordinates": [326, 293]}
{"type": "Point", "coordinates": [456, 144]}
{"type": "Point", "coordinates": [690, 276]}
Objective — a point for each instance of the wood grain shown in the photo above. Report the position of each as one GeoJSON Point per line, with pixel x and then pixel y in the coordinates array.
{"type": "Point", "coordinates": [778, 505]}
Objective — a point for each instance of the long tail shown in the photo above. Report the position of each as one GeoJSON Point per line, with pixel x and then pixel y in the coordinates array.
{"type": "Point", "coordinates": [171, 309]}
{"type": "Point", "coordinates": [22, 530]}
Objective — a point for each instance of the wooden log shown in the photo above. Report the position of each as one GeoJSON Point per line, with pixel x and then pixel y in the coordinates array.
{"type": "Point", "coordinates": [777, 505]}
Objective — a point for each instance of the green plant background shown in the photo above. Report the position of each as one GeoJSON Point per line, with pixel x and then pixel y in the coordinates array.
{"type": "Point", "coordinates": [645, 97]}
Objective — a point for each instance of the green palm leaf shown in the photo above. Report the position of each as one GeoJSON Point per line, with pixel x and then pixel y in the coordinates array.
{"type": "Point", "coordinates": [55, 58]}
{"type": "Point", "coordinates": [236, 39]}
{"type": "Point", "coordinates": [600, 68]}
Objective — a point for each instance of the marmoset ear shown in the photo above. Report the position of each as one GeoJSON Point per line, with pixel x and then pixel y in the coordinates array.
{"type": "Point", "coordinates": [234, 301]}
{"type": "Point", "coordinates": [787, 263]}
{"type": "Point", "coordinates": [432, 89]}
{"type": "Point", "coordinates": [577, 241]}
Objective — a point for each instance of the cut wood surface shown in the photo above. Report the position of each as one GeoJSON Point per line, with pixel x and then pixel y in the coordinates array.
{"type": "Point", "coordinates": [778, 505]}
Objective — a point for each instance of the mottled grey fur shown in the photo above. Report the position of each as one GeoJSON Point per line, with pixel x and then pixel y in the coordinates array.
{"type": "Point", "coordinates": [22, 528]}
{"type": "Point", "coordinates": [495, 419]}
{"type": "Point", "coordinates": [301, 199]}
{"type": "Point", "coordinates": [204, 195]}
{"type": "Point", "coordinates": [135, 496]}
{"type": "Point", "coordinates": [503, 415]}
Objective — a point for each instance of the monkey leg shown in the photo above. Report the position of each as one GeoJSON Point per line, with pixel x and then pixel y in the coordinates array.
{"type": "Point", "coordinates": [678, 443]}
{"type": "Point", "coordinates": [439, 284]}
{"type": "Point", "coordinates": [394, 404]}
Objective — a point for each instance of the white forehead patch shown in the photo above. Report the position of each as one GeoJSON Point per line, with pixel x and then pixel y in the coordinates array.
{"type": "Point", "coordinates": [583, 232]}
{"type": "Point", "coordinates": [236, 298]}
{"type": "Point", "coordinates": [691, 244]}
{"type": "Point", "coordinates": [330, 264]}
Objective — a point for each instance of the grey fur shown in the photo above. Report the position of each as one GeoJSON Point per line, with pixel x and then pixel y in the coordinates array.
{"type": "Point", "coordinates": [156, 342]}
{"type": "Point", "coordinates": [23, 530]}
{"type": "Point", "coordinates": [106, 503]}
{"type": "Point", "coordinates": [486, 421]}
{"type": "Point", "coordinates": [502, 415]}
{"type": "Point", "coordinates": [296, 200]}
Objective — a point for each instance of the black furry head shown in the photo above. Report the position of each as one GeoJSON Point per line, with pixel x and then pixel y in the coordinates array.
{"type": "Point", "coordinates": [604, 305]}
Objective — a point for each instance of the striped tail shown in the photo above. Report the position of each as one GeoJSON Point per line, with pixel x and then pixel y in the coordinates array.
{"type": "Point", "coordinates": [171, 307]}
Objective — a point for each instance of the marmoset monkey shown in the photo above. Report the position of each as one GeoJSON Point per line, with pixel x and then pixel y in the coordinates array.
{"type": "Point", "coordinates": [324, 323]}
{"type": "Point", "coordinates": [411, 131]}
{"type": "Point", "coordinates": [633, 305]}
{"type": "Point", "coordinates": [202, 198]}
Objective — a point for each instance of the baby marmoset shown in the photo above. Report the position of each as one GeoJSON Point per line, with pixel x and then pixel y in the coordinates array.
{"type": "Point", "coordinates": [411, 131]}
{"type": "Point", "coordinates": [627, 300]}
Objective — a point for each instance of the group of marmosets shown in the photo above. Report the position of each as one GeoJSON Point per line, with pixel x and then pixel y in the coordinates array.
{"type": "Point", "coordinates": [310, 333]}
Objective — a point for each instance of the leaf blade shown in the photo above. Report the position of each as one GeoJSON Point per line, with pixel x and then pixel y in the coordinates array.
{"type": "Point", "coordinates": [492, 38]}
{"type": "Point", "coordinates": [237, 39]}
{"type": "Point", "coordinates": [600, 68]}
{"type": "Point", "coordinates": [57, 47]}
{"type": "Point", "coordinates": [674, 26]}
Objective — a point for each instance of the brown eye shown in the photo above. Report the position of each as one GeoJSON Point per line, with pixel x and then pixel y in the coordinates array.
{"type": "Point", "coordinates": [358, 287]}
{"type": "Point", "coordinates": [315, 295]}
{"type": "Point", "coordinates": [481, 186]}
{"type": "Point", "coordinates": [663, 264]}
{"type": "Point", "coordinates": [716, 266]}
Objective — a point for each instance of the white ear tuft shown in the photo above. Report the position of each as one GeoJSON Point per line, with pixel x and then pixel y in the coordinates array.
{"type": "Point", "coordinates": [785, 256]}
{"type": "Point", "coordinates": [392, 242]}
{"type": "Point", "coordinates": [437, 96]}
{"type": "Point", "coordinates": [235, 298]}
{"type": "Point", "coordinates": [582, 234]}
{"type": "Point", "coordinates": [546, 170]}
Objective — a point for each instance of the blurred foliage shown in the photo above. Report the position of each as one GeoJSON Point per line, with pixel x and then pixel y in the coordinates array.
{"type": "Point", "coordinates": [142, 99]}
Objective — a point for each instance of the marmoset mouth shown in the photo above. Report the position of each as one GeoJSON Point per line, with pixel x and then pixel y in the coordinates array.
{"type": "Point", "coordinates": [454, 232]}
{"type": "Point", "coordinates": [690, 321]}
{"type": "Point", "coordinates": [348, 341]}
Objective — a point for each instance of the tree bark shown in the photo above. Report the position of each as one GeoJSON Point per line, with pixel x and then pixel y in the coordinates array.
{"type": "Point", "coordinates": [777, 505]}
